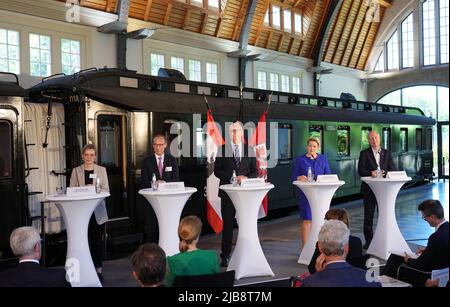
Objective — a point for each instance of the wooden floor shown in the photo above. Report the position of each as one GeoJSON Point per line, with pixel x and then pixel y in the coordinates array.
{"type": "Point", "coordinates": [280, 238]}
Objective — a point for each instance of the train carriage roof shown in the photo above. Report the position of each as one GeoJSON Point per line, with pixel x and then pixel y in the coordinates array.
{"type": "Point", "coordinates": [11, 89]}
{"type": "Point", "coordinates": [132, 91]}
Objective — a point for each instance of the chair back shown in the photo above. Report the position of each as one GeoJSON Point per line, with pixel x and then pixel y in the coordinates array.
{"type": "Point", "coordinates": [223, 279]}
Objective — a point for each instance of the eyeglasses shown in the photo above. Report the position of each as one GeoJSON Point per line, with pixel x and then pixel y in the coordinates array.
{"type": "Point", "coordinates": [424, 217]}
{"type": "Point", "coordinates": [159, 144]}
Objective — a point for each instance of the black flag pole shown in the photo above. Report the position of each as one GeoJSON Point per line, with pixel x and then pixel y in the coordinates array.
{"type": "Point", "coordinates": [241, 104]}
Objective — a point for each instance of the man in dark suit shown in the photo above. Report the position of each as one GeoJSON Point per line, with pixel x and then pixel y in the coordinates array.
{"type": "Point", "coordinates": [223, 169]}
{"type": "Point", "coordinates": [434, 257]}
{"type": "Point", "coordinates": [369, 160]}
{"type": "Point", "coordinates": [164, 166]}
{"type": "Point", "coordinates": [26, 245]}
{"type": "Point", "coordinates": [332, 269]}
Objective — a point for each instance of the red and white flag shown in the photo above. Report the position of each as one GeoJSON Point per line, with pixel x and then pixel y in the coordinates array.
{"type": "Point", "coordinates": [258, 142]}
{"type": "Point", "coordinates": [214, 140]}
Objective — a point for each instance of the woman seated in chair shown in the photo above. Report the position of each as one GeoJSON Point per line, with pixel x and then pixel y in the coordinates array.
{"type": "Point", "coordinates": [191, 260]}
{"type": "Point", "coordinates": [355, 256]}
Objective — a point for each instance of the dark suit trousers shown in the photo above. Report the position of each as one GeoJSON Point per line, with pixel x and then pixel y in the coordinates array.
{"type": "Point", "coordinates": [370, 203]}
{"type": "Point", "coordinates": [393, 268]}
{"type": "Point", "coordinates": [228, 213]}
{"type": "Point", "coordinates": [95, 235]}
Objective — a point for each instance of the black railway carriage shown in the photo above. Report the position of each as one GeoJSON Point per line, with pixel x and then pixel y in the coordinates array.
{"type": "Point", "coordinates": [119, 111]}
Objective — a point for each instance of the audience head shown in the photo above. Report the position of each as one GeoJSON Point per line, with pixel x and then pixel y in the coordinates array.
{"type": "Point", "coordinates": [88, 154]}
{"type": "Point", "coordinates": [338, 214]}
{"type": "Point", "coordinates": [432, 211]}
{"type": "Point", "coordinates": [333, 239]}
{"type": "Point", "coordinates": [189, 231]}
{"type": "Point", "coordinates": [25, 243]}
{"type": "Point", "coordinates": [159, 144]}
{"type": "Point", "coordinates": [149, 265]}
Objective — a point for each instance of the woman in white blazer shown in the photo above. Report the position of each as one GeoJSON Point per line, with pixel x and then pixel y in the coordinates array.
{"type": "Point", "coordinates": [87, 174]}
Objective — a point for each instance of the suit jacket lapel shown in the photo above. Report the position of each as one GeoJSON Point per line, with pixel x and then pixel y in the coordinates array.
{"type": "Point", "coordinates": [80, 175]}
{"type": "Point", "coordinates": [382, 155]}
{"type": "Point", "coordinates": [155, 166]}
{"type": "Point", "coordinates": [372, 157]}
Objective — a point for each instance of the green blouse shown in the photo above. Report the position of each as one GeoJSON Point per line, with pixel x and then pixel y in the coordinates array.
{"type": "Point", "coordinates": [197, 262]}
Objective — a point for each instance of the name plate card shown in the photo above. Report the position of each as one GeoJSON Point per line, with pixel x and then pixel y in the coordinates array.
{"type": "Point", "coordinates": [253, 182]}
{"type": "Point", "coordinates": [81, 191]}
{"type": "Point", "coordinates": [328, 178]}
{"type": "Point", "coordinates": [397, 175]}
{"type": "Point", "coordinates": [171, 186]}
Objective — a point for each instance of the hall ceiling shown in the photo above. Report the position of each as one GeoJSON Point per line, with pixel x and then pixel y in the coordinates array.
{"type": "Point", "coordinates": [348, 41]}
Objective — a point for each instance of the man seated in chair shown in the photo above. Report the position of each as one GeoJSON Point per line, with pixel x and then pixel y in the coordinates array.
{"type": "Point", "coordinates": [433, 257]}
{"type": "Point", "coordinates": [26, 245]}
{"type": "Point", "coordinates": [332, 269]}
{"type": "Point", "coordinates": [149, 265]}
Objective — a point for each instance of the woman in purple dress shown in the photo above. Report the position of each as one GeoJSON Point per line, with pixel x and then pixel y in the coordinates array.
{"type": "Point", "coordinates": [319, 166]}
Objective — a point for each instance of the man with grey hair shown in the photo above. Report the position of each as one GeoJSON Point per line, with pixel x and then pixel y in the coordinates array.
{"type": "Point", "coordinates": [332, 269]}
{"type": "Point", "coordinates": [25, 243]}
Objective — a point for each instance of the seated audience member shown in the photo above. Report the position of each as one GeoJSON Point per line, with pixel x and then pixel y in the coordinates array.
{"type": "Point", "coordinates": [191, 260]}
{"type": "Point", "coordinates": [433, 257]}
{"type": "Point", "coordinates": [26, 245]}
{"type": "Point", "coordinates": [149, 265]}
{"type": "Point", "coordinates": [354, 256]}
{"type": "Point", "coordinates": [332, 269]}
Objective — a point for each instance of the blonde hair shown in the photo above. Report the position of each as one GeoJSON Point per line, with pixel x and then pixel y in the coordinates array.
{"type": "Point", "coordinates": [188, 231]}
{"type": "Point", "coordinates": [313, 139]}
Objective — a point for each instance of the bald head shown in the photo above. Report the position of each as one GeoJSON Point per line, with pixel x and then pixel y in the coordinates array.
{"type": "Point", "coordinates": [236, 132]}
{"type": "Point", "coordinates": [374, 140]}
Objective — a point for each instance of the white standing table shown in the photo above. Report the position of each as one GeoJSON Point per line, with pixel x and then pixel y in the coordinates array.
{"type": "Point", "coordinates": [319, 195]}
{"type": "Point", "coordinates": [387, 237]}
{"type": "Point", "coordinates": [248, 258]}
{"type": "Point", "coordinates": [168, 206]}
{"type": "Point", "coordinates": [76, 212]}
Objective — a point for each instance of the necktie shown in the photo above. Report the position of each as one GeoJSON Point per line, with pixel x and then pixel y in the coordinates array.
{"type": "Point", "coordinates": [160, 167]}
{"type": "Point", "coordinates": [237, 157]}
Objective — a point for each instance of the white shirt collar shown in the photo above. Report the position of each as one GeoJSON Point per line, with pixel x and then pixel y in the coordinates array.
{"type": "Point", "coordinates": [157, 157]}
{"type": "Point", "coordinates": [29, 260]}
{"type": "Point", "coordinates": [437, 227]}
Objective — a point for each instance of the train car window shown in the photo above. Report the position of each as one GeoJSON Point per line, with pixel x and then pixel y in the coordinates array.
{"type": "Point", "coordinates": [109, 141]}
{"type": "Point", "coordinates": [365, 137]}
{"type": "Point", "coordinates": [200, 139]}
{"type": "Point", "coordinates": [284, 142]}
{"type": "Point", "coordinates": [419, 145]}
{"type": "Point", "coordinates": [170, 137]}
{"type": "Point", "coordinates": [429, 139]}
{"type": "Point", "coordinates": [403, 139]}
{"type": "Point", "coordinates": [316, 131]}
{"type": "Point", "coordinates": [6, 149]}
{"type": "Point", "coordinates": [343, 140]}
{"type": "Point", "coordinates": [386, 139]}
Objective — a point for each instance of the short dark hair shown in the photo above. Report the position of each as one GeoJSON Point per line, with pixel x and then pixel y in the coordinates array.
{"type": "Point", "coordinates": [149, 262]}
{"type": "Point", "coordinates": [432, 207]}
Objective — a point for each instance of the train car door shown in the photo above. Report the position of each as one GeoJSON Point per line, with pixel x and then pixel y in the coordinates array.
{"type": "Point", "coordinates": [443, 155]}
{"type": "Point", "coordinates": [107, 129]}
{"type": "Point", "coordinates": [13, 189]}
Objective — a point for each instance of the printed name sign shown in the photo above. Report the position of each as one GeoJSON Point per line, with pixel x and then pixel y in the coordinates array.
{"type": "Point", "coordinates": [327, 178]}
{"type": "Point", "coordinates": [253, 182]}
{"type": "Point", "coordinates": [396, 175]}
{"type": "Point", "coordinates": [171, 186]}
{"type": "Point", "coordinates": [81, 191]}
